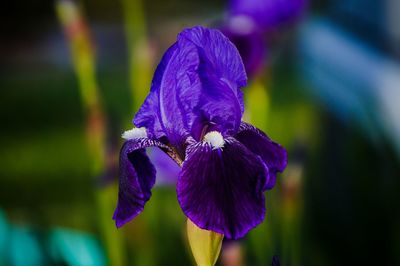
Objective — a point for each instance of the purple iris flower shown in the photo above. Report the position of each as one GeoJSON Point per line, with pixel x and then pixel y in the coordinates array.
{"type": "Point", "coordinates": [193, 113]}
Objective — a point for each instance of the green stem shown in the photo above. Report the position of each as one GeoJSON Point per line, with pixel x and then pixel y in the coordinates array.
{"type": "Point", "coordinates": [139, 51]}
{"type": "Point", "coordinates": [83, 57]}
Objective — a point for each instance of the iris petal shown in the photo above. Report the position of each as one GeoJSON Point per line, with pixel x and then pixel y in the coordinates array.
{"type": "Point", "coordinates": [222, 55]}
{"type": "Point", "coordinates": [136, 178]}
{"type": "Point", "coordinates": [197, 83]}
{"type": "Point", "coordinates": [149, 112]}
{"type": "Point", "coordinates": [222, 189]}
{"type": "Point", "coordinates": [273, 154]}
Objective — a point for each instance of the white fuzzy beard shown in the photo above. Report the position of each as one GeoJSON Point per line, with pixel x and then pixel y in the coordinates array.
{"type": "Point", "coordinates": [215, 139]}
{"type": "Point", "coordinates": [135, 133]}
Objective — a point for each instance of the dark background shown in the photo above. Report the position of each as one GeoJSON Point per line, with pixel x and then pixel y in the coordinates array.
{"type": "Point", "coordinates": [342, 209]}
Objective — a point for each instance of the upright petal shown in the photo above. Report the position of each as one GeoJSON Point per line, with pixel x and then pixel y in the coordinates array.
{"type": "Point", "coordinates": [220, 52]}
{"type": "Point", "coordinates": [209, 93]}
{"type": "Point", "coordinates": [222, 189]}
{"type": "Point", "coordinates": [180, 75]}
{"type": "Point", "coordinates": [136, 178]}
{"type": "Point", "coordinates": [273, 154]}
{"type": "Point", "coordinates": [148, 115]}
{"type": "Point", "coordinates": [217, 108]}
{"type": "Point", "coordinates": [197, 84]}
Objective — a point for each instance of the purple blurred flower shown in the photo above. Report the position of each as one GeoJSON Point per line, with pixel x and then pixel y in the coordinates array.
{"type": "Point", "coordinates": [249, 22]}
{"type": "Point", "coordinates": [268, 14]}
{"type": "Point", "coordinates": [249, 40]}
{"type": "Point", "coordinates": [194, 112]}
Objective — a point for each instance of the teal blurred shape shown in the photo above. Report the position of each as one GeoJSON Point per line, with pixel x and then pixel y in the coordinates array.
{"type": "Point", "coordinates": [352, 79]}
{"type": "Point", "coordinates": [24, 248]}
{"type": "Point", "coordinates": [3, 237]}
{"type": "Point", "coordinates": [75, 248]}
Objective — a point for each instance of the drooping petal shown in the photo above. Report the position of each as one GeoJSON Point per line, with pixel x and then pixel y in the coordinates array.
{"type": "Point", "coordinates": [136, 178]}
{"type": "Point", "coordinates": [222, 189]}
{"type": "Point", "coordinates": [197, 84]}
{"type": "Point", "coordinates": [273, 154]}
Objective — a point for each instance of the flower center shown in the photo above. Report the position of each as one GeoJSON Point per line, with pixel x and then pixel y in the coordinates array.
{"type": "Point", "coordinates": [215, 139]}
{"type": "Point", "coordinates": [135, 133]}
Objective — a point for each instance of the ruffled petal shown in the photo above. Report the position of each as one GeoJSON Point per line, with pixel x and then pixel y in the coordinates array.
{"type": "Point", "coordinates": [222, 55]}
{"type": "Point", "coordinates": [209, 93]}
{"type": "Point", "coordinates": [222, 189]}
{"type": "Point", "coordinates": [196, 84]}
{"type": "Point", "coordinates": [136, 178]}
{"type": "Point", "coordinates": [273, 154]}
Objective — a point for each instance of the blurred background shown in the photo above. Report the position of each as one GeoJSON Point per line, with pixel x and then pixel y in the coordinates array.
{"type": "Point", "coordinates": [324, 82]}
